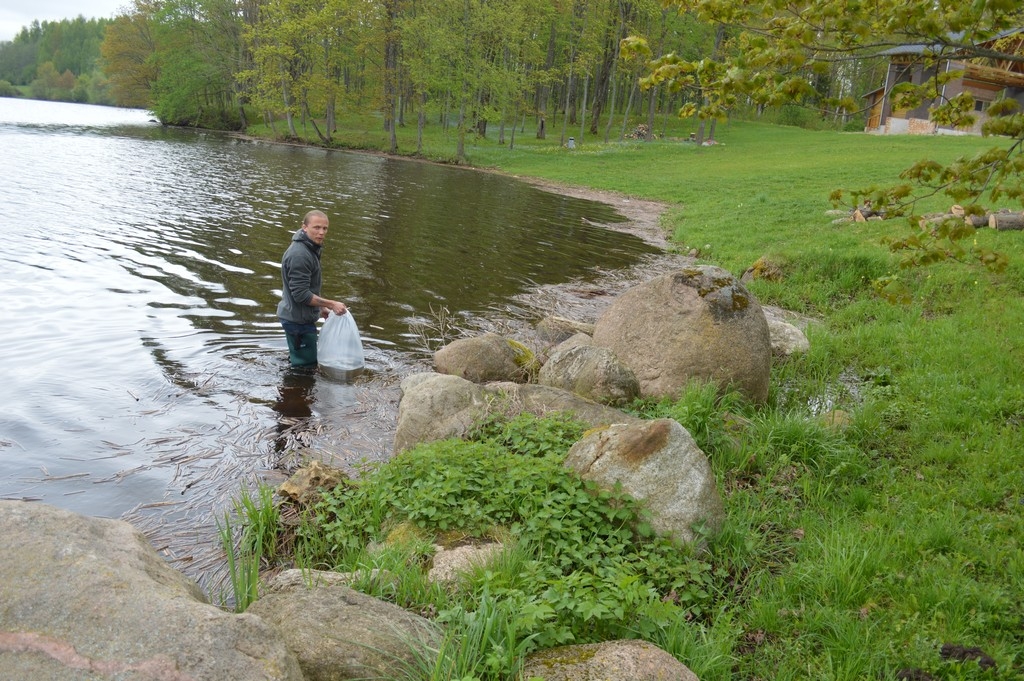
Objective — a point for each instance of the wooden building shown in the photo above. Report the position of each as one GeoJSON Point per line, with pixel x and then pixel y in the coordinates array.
{"type": "Point", "coordinates": [985, 78]}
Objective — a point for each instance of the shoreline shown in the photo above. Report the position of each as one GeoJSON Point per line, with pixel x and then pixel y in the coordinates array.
{"type": "Point", "coordinates": [368, 429]}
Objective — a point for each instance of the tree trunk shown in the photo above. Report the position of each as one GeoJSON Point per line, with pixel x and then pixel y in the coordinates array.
{"type": "Point", "coordinates": [288, 108]}
{"type": "Point", "coordinates": [611, 110]}
{"type": "Point", "coordinates": [460, 151]}
{"type": "Point", "coordinates": [629, 105]}
{"type": "Point", "coordinates": [565, 115]}
{"type": "Point", "coordinates": [583, 108]}
{"type": "Point", "coordinates": [307, 114]}
{"type": "Point", "coordinates": [609, 67]}
{"type": "Point", "coordinates": [651, 101]}
{"type": "Point", "coordinates": [512, 138]}
{"type": "Point", "coordinates": [329, 123]}
{"type": "Point", "coordinates": [665, 114]}
{"type": "Point", "coordinates": [544, 90]}
{"type": "Point", "coordinates": [391, 73]}
{"type": "Point", "coordinates": [421, 122]}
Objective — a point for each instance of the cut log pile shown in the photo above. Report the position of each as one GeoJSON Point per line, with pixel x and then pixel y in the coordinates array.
{"type": "Point", "coordinates": [861, 213]}
{"type": "Point", "coordinates": [1001, 220]}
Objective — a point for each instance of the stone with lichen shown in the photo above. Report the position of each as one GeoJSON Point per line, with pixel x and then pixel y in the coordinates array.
{"type": "Point", "coordinates": [696, 323]}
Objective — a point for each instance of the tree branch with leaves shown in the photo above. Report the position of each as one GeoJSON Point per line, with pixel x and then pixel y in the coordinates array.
{"type": "Point", "coordinates": [775, 48]}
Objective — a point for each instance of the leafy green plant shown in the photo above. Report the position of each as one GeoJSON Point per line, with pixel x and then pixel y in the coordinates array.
{"type": "Point", "coordinates": [530, 435]}
{"type": "Point", "coordinates": [701, 409]}
{"type": "Point", "coordinates": [584, 564]}
{"type": "Point", "coordinates": [248, 542]}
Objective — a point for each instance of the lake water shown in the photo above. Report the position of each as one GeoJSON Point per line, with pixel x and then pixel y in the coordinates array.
{"type": "Point", "coordinates": [144, 374]}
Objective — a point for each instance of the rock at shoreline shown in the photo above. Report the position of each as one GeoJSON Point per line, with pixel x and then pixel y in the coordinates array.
{"type": "Point", "coordinates": [554, 329]}
{"type": "Point", "coordinates": [479, 359]}
{"type": "Point", "coordinates": [697, 323]}
{"type": "Point", "coordinates": [591, 372]}
{"type": "Point", "coordinates": [658, 463]}
{"type": "Point", "coordinates": [438, 406]}
{"type": "Point", "coordinates": [338, 633]}
{"type": "Point", "coordinates": [89, 598]}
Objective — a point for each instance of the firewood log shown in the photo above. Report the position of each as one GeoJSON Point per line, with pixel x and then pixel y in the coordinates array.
{"type": "Point", "coordinates": [1004, 221]}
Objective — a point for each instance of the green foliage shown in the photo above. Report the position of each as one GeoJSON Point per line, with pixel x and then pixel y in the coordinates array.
{"type": "Point", "coordinates": [446, 485]}
{"type": "Point", "coordinates": [529, 435]}
{"type": "Point", "coordinates": [58, 59]}
{"type": "Point", "coordinates": [584, 564]}
{"type": "Point", "coordinates": [799, 61]}
{"type": "Point", "coordinates": [799, 116]}
{"type": "Point", "coordinates": [243, 568]}
{"type": "Point", "coordinates": [483, 643]}
{"type": "Point", "coordinates": [69, 44]}
{"type": "Point", "coordinates": [194, 47]}
{"type": "Point", "coordinates": [700, 409]}
{"type": "Point", "coordinates": [784, 439]}
{"type": "Point", "coordinates": [248, 541]}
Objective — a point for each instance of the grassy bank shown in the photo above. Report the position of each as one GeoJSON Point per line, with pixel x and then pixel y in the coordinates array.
{"type": "Point", "coordinates": [848, 553]}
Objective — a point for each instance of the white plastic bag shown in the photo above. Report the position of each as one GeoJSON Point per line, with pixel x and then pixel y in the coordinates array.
{"type": "Point", "coordinates": [338, 346]}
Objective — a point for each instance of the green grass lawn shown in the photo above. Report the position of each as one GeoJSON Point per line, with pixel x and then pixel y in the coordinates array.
{"type": "Point", "coordinates": [858, 553]}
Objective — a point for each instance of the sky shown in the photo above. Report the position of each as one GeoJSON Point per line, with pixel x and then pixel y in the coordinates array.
{"type": "Point", "coordinates": [16, 14]}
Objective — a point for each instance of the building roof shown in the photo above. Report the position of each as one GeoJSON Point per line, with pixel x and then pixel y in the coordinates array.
{"type": "Point", "coordinates": [950, 37]}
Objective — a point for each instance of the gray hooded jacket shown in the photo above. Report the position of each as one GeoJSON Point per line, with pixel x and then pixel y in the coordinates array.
{"type": "Point", "coordinates": [301, 279]}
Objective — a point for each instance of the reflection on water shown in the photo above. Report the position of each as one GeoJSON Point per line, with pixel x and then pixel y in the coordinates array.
{"type": "Point", "coordinates": [145, 372]}
{"type": "Point", "coordinates": [330, 390]}
{"type": "Point", "coordinates": [294, 403]}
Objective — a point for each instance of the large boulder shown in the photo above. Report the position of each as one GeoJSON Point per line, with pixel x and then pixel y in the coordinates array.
{"type": "Point", "coordinates": [338, 633]}
{"type": "Point", "coordinates": [658, 463]}
{"type": "Point", "coordinates": [543, 400]}
{"type": "Point", "coordinates": [480, 359]}
{"type": "Point", "coordinates": [438, 406]}
{"type": "Point", "coordinates": [697, 323]}
{"type": "Point", "coordinates": [89, 599]}
{"type": "Point", "coordinates": [592, 372]}
{"type": "Point", "coordinates": [625, 660]}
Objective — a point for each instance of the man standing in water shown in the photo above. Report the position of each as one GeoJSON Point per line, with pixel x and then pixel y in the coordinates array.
{"type": "Point", "coordinates": [301, 280]}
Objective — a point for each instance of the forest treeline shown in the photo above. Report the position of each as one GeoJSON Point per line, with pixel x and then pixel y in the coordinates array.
{"type": "Point", "coordinates": [474, 65]}
{"type": "Point", "coordinates": [56, 60]}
